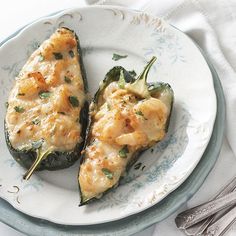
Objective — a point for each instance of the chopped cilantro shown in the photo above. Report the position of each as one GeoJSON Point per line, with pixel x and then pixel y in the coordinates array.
{"type": "Point", "coordinates": [108, 173]}
{"type": "Point", "coordinates": [36, 121]}
{"type": "Point", "coordinates": [139, 113]}
{"type": "Point", "coordinates": [117, 57]}
{"type": "Point", "coordinates": [123, 152]}
{"type": "Point", "coordinates": [19, 109]}
{"type": "Point", "coordinates": [58, 55]}
{"type": "Point", "coordinates": [44, 94]}
{"type": "Point", "coordinates": [73, 101]}
{"type": "Point", "coordinates": [67, 80]}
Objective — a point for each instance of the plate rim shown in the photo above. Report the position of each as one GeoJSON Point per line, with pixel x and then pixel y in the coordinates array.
{"type": "Point", "coordinates": [215, 140]}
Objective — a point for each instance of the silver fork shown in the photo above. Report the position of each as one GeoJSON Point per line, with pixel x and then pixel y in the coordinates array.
{"type": "Point", "coordinates": [203, 211]}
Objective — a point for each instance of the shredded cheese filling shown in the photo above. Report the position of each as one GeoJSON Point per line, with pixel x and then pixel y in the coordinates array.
{"type": "Point", "coordinates": [47, 97]}
{"type": "Point", "coordinates": [122, 124]}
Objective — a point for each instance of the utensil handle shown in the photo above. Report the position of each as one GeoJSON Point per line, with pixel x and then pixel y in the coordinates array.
{"type": "Point", "coordinates": [223, 224]}
{"type": "Point", "coordinates": [227, 189]}
{"type": "Point", "coordinates": [199, 228]}
{"type": "Point", "coordinates": [198, 213]}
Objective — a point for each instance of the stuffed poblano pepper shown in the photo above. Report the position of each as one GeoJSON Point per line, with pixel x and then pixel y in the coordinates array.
{"type": "Point", "coordinates": [45, 122]}
{"type": "Point", "coordinates": [127, 116]}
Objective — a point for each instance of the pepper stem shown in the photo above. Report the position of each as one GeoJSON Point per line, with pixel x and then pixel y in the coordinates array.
{"type": "Point", "coordinates": [139, 86]}
{"type": "Point", "coordinates": [40, 156]}
{"type": "Point", "coordinates": [146, 69]}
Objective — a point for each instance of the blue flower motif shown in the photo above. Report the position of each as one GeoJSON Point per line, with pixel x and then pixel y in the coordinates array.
{"type": "Point", "coordinates": [10, 162]}
{"type": "Point", "coordinates": [165, 43]}
{"type": "Point", "coordinates": [34, 184]}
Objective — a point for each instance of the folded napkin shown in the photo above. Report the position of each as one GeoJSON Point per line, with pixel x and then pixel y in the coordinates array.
{"type": "Point", "coordinates": [212, 25]}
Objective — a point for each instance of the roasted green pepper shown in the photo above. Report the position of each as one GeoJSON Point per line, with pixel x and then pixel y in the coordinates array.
{"type": "Point", "coordinates": [47, 111]}
{"type": "Point", "coordinates": [127, 116]}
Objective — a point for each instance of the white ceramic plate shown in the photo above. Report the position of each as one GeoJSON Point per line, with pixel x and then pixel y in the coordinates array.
{"type": "Point", "coordinates": [103, 31]}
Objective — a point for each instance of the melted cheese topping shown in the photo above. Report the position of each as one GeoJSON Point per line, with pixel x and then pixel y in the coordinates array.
{"type": "Point", "coordinates": [121, 126]}
{"type": "Point", "coordinates": [47, 97]}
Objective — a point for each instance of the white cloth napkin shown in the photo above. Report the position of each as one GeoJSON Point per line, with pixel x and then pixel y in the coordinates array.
{"type": "Point", "coordinates": [212, 24]}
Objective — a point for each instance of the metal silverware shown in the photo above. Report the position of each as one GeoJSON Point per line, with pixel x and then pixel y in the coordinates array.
{"type": "Point", "coordinates": [200, 227]}
{"type": "Point", "coordinates": [198, 213]}
{"type": "Point", "coordinates": [222, 225]}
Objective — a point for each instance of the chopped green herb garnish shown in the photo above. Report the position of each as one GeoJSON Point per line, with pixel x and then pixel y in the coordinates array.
{"type": "Point", "coordinates": [117, 57]}
{"type": "Point", "coordinates": [41, 57]}
{"type": "Point", "coordinates": [152, 150]}
{"type": "Point", "coordinates": [37, 144]}
{"type": "Point", "coordinates": [36, 121]}
{"type": "Point", "coordinates": [121, 81]}
{"type": "Point", "coordinates": [143, 168]}
{"type": "Point", "coordinates": [44, 94]}
{"type": "Point", "coordinates": [74, 101]}
{"type": "Point", "coordinates": [21, 94]}
{"type": "Point", "coordinates": [139, 113]}
{"type": "Point", "coordinates": [67, 80]}
{"type": "Point", "coordinates": [58, 55]}
{"type": "Point", "coordinates": [123, 152]}
{"type": "Point", "coordinates": [137, 166]}
{"type": "Point", "coordinates": [108, 173]}
{"type": "Point", "coordinates": [71, 53]}
{"type": "Point", "coordinates": [19, 109]}
{"type": "Point", "coordinates": [132, 72]}
{"type": "Point", "coordinates": [6, 104]}
{"type": "Point", "coordinates": [108, 107]}
{"type": "Point", "coordinates": [61, 112]}
{"type": "Point", "coordinates": [123, 102]}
